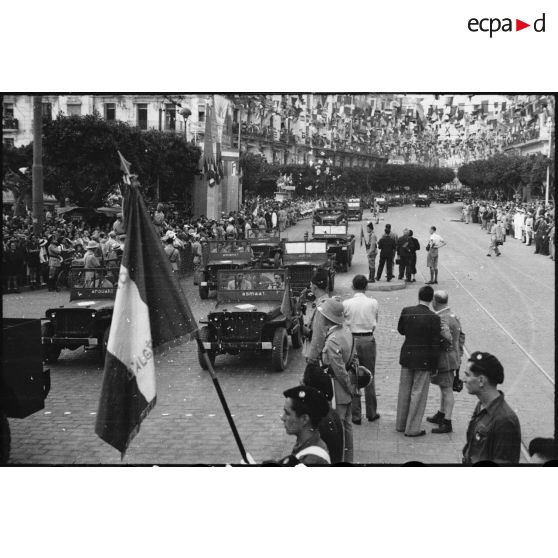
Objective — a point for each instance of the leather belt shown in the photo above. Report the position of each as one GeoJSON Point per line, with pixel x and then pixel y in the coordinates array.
{"type": "Point", "coordinates": [364, 334]}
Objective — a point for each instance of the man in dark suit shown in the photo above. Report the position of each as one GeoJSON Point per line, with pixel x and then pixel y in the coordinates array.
{"type": "Point", "coordinates": [419, 356]}
{"type": "Point", "coordinates": [387, 245]}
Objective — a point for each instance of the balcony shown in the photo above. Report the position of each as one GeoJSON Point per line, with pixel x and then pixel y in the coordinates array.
{"type": "Point", "coordinates": [524, 136]}
{"type": "Point", "coordinates": [10, 123]}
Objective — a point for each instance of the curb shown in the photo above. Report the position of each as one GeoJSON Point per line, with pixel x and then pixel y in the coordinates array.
{"type": "Point", "coordinates": [385, 286]}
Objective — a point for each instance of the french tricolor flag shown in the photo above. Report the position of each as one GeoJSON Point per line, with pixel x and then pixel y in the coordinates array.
{"type": "Point", "coordinates": [150, 311]}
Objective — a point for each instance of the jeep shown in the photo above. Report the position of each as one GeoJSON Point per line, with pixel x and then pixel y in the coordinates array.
{"type": "Point", "coordinates": [85, 321]}
{"type": "Point", "coordinates": [267, 247]}
{"type": "Point", "coordinates": [255, 311]}
{"type": "Point", "coordinates": [301, 259]}
{"type": "Point", "coordinates": [222, 254]}
{"type": "Point", "coordinates": [340, 243]}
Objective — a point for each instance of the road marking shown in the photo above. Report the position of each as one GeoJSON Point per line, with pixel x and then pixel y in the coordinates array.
{"type": "Point", "coordinates": [525, 352]}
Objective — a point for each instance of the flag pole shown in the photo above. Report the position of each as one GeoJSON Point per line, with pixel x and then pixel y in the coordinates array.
{"type": "Point", "coordinates": [221, 396]}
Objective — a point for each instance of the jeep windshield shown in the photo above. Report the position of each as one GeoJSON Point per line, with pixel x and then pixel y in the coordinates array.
{"type": "Point", "coordinates": [229, 250]}
{"type": "Point", "coordinates": [251, 285]}
{"type": "Point", "coordinates": [305, 248]}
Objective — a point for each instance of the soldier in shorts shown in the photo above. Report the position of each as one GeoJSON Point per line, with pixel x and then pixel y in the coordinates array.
{"type": "Point", "coordinates": [449, 360]}
{"type": "Point", "coordinates": [436, 242]}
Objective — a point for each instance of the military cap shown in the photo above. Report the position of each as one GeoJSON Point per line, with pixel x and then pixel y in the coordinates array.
{"type": "Point", "coordinates": [488, 365]}
{"type": "Point", "coordinates": [314, 404]}
{"type": "Point", "coordinates": [320, 278]}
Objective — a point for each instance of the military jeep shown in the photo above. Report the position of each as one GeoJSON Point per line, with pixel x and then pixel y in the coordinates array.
{"type": "Point", "coordinates": [301, 259]}
{"type": "Point", "coordinates": [267, 248]}
{"type": "Point", "coordinates": [340, 244]}
{"type": "Point", "coordinates": [222, 255]}
{"type": "Point", "coordinates": [355, 209]}
{"type": "Point", "coordinates": [255, 311]}
{"type": "Point", "coordinates": [331, 213]}
{"type": "Point", "coordinates": [422, 200]}
{"type": "Point", "coordinates": [85, 321]}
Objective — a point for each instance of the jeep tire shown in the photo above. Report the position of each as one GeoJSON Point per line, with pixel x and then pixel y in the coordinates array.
{"type": "Point", "coordinates": [204, 291]}
{"type": "Point", "coordinates": [280, 349]}
{"type": "Point", "coordinates": [103, 346]}
{"type": "Point", "coordinates": [5, 439]}
{"type": "Point", "coordinates": [51, 352]}
{"type": "Point", "coordinates": [296, 337]}
{"type": "Point", "coordinates": [204, 337]}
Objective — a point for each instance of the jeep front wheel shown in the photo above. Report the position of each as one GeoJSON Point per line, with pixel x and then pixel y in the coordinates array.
{"type": "Point", "coordinates": [280, 349]}
{"type": "Point", "coordinates": [50, 352]}
{"type": "Point", "coordinates": [104, 346]}
{"type": "Point", "coordinates": [296, 337]}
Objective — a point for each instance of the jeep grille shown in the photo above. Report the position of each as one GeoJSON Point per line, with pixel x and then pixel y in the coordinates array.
{"type": "Point", "coordinates": [240, 326]}
{"type": "Point", "coordinates": [299, 278]}
{"type": "Point", "coordinates": [72, 323]}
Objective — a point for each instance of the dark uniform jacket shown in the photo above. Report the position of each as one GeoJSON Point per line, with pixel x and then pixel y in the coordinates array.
{"type": "Point", "coordinates": [493, 434]}
{"type": "Point", "coordinates": [387, 244]}
{"type": "Point", "coordinates": [421, 328]}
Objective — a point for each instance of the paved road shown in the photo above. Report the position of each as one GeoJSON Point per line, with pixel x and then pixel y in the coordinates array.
{"type": "Point", "coordinates": [506, 306]}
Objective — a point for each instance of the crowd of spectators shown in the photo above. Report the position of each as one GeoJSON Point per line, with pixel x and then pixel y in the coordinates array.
{"type": "Point", "coordinates": [28, 259]}
{"type": "Point", "coordinates": [533, 223]}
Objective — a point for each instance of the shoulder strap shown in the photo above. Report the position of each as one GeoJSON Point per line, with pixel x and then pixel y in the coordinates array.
{"type": "Point", "coordinates": [314, 450]}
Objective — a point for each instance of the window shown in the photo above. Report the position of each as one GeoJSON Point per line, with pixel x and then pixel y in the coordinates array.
{"type": "Point", "coordinates": [170, 117]}
{"type": "Point", "coordinates": [74, 109]}
{"type": "Point", "coordinates": [9, 142]}
{"type": "Point", "coordinates": [47, 111]}
{"type": "Point", "coordinates": [142, 116]}
{"type": "Point", "coordinates": [8, 110]}
{"type": "Point", "coordinates": [201, 113]}
{"type": "Point", "coordinates": [110, 111]}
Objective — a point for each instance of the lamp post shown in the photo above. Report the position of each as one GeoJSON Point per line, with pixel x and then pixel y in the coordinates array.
{"type": "Point", "coordinates": [37, 176]}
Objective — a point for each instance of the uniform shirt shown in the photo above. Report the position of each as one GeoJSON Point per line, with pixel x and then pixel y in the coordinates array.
{"type": "Point", "coordinates": [311, 459]}
{"type": "Point", "coordinates": [435, 240]}
{"type": "Point", "coordinates": [336, 354]}
{"type": "Point", "coordinates": [493, 434]}
{"type": "Point", "coordinates": [319, 330]}
{"type": "Point", "coordinates": [450, 326]}
{"type": "Point", "coordinates": [361, 313]}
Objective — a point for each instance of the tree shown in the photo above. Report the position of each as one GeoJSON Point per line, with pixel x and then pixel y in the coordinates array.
{"type": "Point", "coordinates": [81, 161]}
{"type": "Point", "coordinates": [15, 181]}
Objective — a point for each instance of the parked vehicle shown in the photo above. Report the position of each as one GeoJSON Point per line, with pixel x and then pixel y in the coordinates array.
{"type": "Point", "coordinates": [355, 208]}
{"type": "Point", "coordinates": [24, 383]}
{"type": "Point", "coordinates": [446, 197]}
{"type": "Point", "coordinates": [222, 255]}
{"type": "Point", "coordinates": [422, 200]}
{"type": "Point", "coordinates": [382, 204]}
{"type": "Point", "coordinates": [85, 321]}
{"type": "Point", "coordinates": [302, 258]}
{"type": "Point", "coordinates": [267, 248]}
{"type": "Point", "coordinates": [340, 243]}
{"type": "Point", "coordinates": [255, 311]}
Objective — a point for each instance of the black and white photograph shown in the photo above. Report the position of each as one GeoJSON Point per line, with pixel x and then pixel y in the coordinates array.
{"type": "Point", "coordinates": [265, 262]}
{"type": "Point", "coordinates": [275, 246]}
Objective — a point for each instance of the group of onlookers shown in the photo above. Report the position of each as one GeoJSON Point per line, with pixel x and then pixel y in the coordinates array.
{"type": "Point", "coordinates": [321, 411]}
{"type": "Point", "coordinates": [532, 223]}
{"type": "Point", "coordinates": [35, 261]}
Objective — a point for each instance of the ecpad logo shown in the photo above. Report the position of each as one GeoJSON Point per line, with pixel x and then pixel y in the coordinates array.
{"type": "Point", "coordinates": [494, 24]}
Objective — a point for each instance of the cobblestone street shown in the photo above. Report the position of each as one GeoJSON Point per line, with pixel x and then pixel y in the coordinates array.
{"type": "Point", "coordinates": [506, 306]}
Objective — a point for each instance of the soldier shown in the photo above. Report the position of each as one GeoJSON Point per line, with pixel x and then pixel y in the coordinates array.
{"type": "Point", "coordinates": [336, 354]}
{"type": "Point", "coordinates": [315, 330]}
{"type": "Point", "coordinates": [371, 251]}
{"type": "Point", "coordinates": [197, 257]}
{"type": "Point", "coordinates": [449, 361]}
